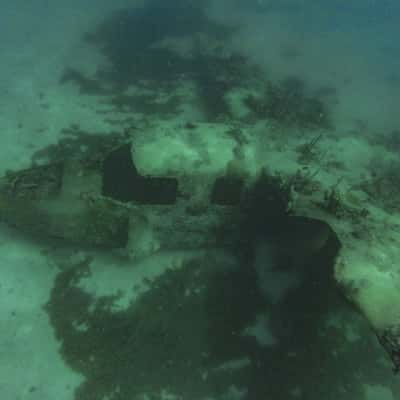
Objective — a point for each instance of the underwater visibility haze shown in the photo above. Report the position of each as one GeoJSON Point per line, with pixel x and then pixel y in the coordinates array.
{"type": "Point", "coordinates": [199, 200]}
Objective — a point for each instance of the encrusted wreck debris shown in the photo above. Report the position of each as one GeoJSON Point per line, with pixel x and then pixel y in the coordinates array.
{"type": "Point", "coordinates": [206, 186]}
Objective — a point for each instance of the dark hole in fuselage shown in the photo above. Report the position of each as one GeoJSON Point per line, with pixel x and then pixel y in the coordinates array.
{"type": "Point", "coordinates": [122, 182]}
{"type": "Point", "coordinates": [227, 190]}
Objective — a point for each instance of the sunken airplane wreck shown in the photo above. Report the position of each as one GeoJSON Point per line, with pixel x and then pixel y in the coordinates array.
{"type": "Point", "coordinates": [142, 196]}
{"type": "Point", "coordinates": [175, 188]}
